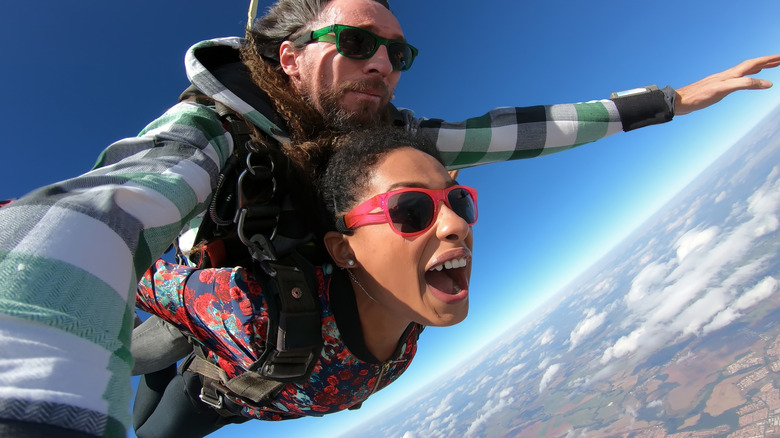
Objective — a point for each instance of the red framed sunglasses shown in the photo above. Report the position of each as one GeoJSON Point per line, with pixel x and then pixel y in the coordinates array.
{"type": "Point", "coordinates": [411, 211]}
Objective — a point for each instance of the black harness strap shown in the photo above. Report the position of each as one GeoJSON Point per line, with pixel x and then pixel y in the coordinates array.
{"type": "Point", "coordinates": [249, 199]}
{"type": "Point", "coordinates": [289, 356]}
{"type": "Point", "coordinates": [224, 394]}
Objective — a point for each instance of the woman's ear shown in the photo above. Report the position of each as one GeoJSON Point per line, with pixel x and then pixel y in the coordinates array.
{"type": "Point", "coordinates": [288, 59]}
{"type": "Point", "coordinates": [339, 249]}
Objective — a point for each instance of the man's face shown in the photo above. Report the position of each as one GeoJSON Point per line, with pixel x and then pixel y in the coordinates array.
{"type": "Point", "coordinates": [348, 91]}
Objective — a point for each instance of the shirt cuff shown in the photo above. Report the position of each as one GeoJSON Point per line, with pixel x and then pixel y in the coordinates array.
{"type": "Point", "coordinates": [645, 108]}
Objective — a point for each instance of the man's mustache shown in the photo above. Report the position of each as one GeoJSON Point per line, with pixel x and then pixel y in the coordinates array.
{"type": "Point", "coordinates": [373, 86]}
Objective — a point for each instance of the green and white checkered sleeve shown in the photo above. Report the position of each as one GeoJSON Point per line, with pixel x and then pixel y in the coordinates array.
{"type": "Point", "coordinates": [71, 255]}
{"type": "Point", "coordinates": [512, 133]}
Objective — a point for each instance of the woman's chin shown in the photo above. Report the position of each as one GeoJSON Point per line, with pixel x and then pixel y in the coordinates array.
{"type": "Point", "coordinates": [448, 309]}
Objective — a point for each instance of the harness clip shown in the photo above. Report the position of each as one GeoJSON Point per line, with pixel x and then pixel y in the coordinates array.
{"type": "Point", "coordinates": [209, 399]}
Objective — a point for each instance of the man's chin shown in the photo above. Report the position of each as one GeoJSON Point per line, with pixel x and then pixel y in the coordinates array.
{"type": "Point", "coordinates": [365, 108]}
{"type": "Point", "coordinates": [361, 116]}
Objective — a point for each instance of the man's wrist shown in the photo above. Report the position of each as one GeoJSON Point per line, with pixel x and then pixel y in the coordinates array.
{"type": "Point", "coordinates": [644, 106]}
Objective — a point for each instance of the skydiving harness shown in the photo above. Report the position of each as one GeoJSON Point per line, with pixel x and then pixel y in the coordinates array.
{"type": "Point", "coordinates": [252, 196]}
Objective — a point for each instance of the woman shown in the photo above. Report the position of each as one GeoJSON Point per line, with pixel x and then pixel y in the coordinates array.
{"type": "Point", "coordinates": [404, 248]}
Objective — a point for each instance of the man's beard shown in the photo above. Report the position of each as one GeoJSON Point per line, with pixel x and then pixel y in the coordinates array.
{"type": "Point", "coordinates": [365, 116]}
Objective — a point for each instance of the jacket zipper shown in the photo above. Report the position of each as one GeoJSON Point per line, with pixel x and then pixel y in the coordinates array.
{"type": "Point", "coordinates": [396, 356]}
{"type": "Point", "coordinates": [382, 371]}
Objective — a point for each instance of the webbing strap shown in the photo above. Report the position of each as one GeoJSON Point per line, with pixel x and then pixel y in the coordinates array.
{"type": "Point", "coordinates": [207, 369]}
{"type": "Point", "coordinates": [254, 387]}
{"type": "Point", "coordinates": [298, 341]}
{"type": "Point", "coordinates": [250, 387]}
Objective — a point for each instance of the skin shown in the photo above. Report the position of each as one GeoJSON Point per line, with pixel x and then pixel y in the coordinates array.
{"type": "Point", "coordinates": [714, 88]}
{"type": "Point", "coordinates": [393, 269]}
{"type": "Point", "coordinates": [318, 68]}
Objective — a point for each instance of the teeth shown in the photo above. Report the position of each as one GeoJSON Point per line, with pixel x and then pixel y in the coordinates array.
{"type": "Point", "coordinates": [450, 264]}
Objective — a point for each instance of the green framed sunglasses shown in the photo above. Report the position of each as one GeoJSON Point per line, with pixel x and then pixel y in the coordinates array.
{"type": "Point", "coordinates": [357, 43]}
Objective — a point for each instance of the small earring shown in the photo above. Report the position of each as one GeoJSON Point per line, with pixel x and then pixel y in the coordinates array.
{"type": "Point", "coordinates": [350, 262]}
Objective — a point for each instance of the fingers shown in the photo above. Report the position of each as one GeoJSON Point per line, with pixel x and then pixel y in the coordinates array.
{"type": "Point", "coordinates": [755, 65]}
{"type": "Point", "coordinates": [757, 84]}
{"type": "Point", "coordinates": [714, 88]}
{"type": "Point", "coordinates": [741, 83]}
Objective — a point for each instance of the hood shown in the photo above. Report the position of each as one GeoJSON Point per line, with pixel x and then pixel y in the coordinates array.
{"type": "Point", "coordinates": [215, 68]}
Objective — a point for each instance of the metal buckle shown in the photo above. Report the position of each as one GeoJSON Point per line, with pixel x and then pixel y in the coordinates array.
{"type": "Point", "coordinates": [215, 403]}
{"type": "Point", "coordinates": [259, 245]}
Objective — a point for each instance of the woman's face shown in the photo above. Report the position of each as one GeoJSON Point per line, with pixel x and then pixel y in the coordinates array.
{"type": "Point", "coordinates": [412, 278]}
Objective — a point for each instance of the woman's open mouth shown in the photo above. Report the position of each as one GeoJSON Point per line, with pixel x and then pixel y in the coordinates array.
{"type": "Point", "coordinates": [449, 280]}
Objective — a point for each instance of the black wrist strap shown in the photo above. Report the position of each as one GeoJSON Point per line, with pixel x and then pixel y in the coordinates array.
{"type": "Point", "coordinates": [644, 106]}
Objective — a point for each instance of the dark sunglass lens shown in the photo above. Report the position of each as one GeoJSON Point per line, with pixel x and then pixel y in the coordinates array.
{"type": "Point", "coordinates": [356, 43]}
{"type": "Point", "coordinates": [410, 212]}
{"type": "Point", "coordinates": [400, 56]}
{"type": "Point", "coordinates": [463, 205]}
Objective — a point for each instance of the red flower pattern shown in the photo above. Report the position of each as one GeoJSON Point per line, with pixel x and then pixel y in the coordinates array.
{"type": "Point", "coordinates": [226, 310]}
{"type": "Point", "coordinates": [206, 276]}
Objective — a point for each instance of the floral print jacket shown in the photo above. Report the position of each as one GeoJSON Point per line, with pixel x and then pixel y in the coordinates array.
{"type": "Point", "coordinates": [225, 309]}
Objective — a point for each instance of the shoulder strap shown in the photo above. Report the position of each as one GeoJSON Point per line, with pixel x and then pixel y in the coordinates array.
{"type": "Point", "coordinates": [289, 356]}
{"type": "Point", "coordinates": [247, 199]}
{"type": "Point", "coordinates": [250, 200]}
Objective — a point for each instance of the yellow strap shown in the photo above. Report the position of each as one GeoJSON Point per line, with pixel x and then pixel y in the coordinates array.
{"type": "Point", "coordinates": [252, 14]}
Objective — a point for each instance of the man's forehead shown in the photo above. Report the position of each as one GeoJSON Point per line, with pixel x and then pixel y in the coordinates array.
{"type": "Point", "coordinates": [366, 14]}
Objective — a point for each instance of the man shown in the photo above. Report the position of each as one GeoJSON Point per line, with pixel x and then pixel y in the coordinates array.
{"type": "Point", "coordinates": [66, 315]}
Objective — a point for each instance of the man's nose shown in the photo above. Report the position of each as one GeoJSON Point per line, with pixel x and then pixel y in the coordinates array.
{"type": "Point", "coordinates": [380, 62]}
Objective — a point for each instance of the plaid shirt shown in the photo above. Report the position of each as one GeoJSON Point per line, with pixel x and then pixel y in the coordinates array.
{"type": "Point", "coordinates": [72, 253]}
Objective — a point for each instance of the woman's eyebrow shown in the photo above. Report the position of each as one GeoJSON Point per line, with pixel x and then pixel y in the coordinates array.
{"type": "Point", "coordinates": [417, 185]}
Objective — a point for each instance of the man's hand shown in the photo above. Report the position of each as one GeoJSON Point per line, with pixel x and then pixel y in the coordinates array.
{"type": "Point", "coordinates": [713, 88]}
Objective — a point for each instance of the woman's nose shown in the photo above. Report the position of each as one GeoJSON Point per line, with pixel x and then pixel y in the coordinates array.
{"type": "Point", "coordinates": [450, 226]}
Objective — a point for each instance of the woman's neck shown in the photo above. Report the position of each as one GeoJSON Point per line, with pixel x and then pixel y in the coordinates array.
{"type": "Point", "coordinates": [382, 331]}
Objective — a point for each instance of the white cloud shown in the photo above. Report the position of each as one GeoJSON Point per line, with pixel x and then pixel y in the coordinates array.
{"type": "Point", "coordinates": [546, 337]}
{"type": "Point", "coordinates": [625, 345]}
{"type": "Point", "coordinates": [548, 375]}
{"type": "Point", "coordinates": [693, 240]}
{"type": "Point", "coordinates": [516, 368]}
{"type": "Point", "coordinates": [721, 320]}
{"type": "Point", "coordinates": [655, 403]}
{"type": "Point", "coordinates": [764, 289]}
{"type": "Point", "coordinates": [490, 408]}
{"type": "Point", "coordinates": [443, 407]}
{"type": "Point", "coordinates": [649, 278]}
{"type": "Point", "coordinates": [707, 284]}
{"type": "Point", "coordinates": [585, 327]}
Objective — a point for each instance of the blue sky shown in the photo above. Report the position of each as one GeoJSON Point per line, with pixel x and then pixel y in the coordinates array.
{"type": "Point", "coordinates": [79, 75]}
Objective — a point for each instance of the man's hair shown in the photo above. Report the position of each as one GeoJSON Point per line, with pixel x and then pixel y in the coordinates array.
{"type": "Point", "coordinates": [285, 21]}
{"type": "Point", "coordinates": [355, 155]}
